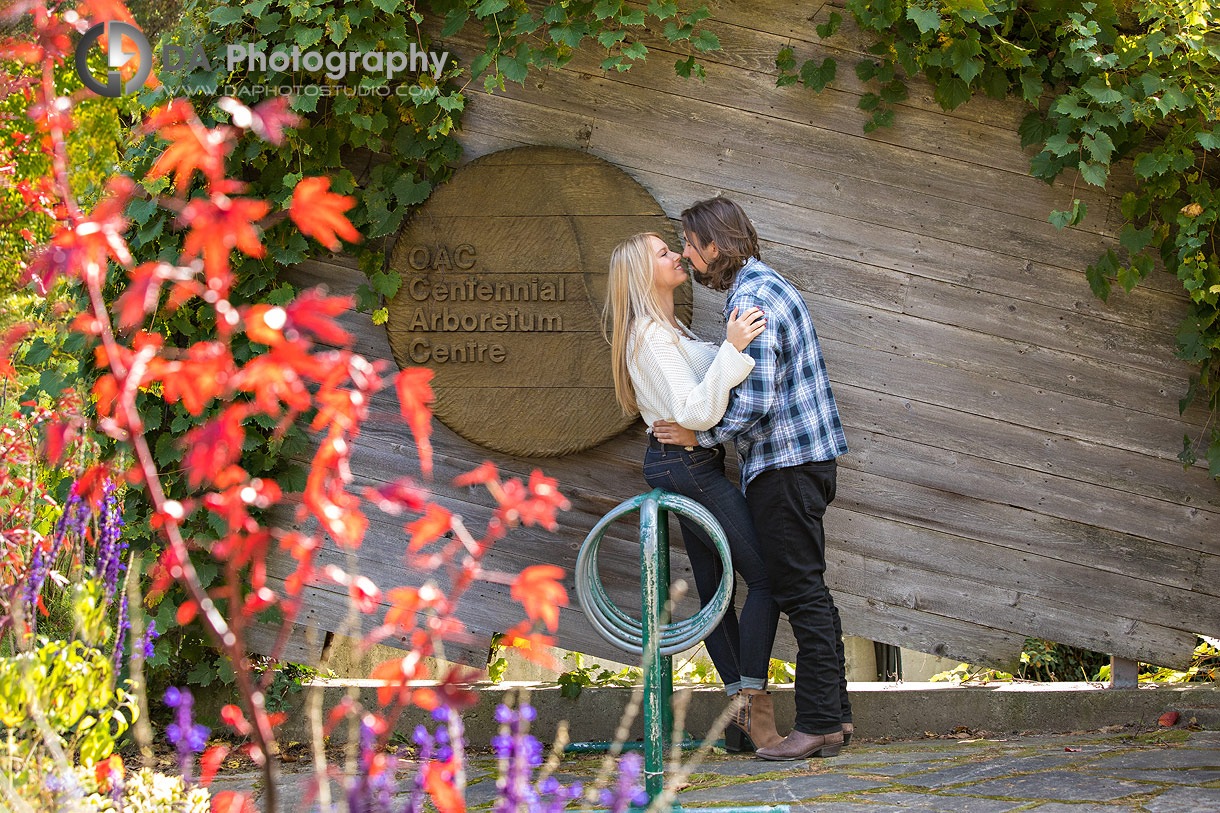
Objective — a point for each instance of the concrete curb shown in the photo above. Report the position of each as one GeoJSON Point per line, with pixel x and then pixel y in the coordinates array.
{"type": "Point", "coordinates": [896, 711]}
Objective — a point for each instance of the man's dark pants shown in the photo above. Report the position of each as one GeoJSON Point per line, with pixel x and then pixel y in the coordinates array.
{"type": "Point", "coordinates": [788, 505]}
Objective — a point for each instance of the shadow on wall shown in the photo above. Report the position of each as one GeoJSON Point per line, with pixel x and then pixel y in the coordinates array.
{"type": "Point", "coordinates": [347, 661]}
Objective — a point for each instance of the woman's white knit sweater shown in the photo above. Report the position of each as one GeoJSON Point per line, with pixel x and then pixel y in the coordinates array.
{"type": "Point", "coordinates": [686, 382]}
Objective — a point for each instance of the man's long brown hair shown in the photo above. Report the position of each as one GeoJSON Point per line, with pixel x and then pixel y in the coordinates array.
{"type": "Point", "coordinates": [721, 221]}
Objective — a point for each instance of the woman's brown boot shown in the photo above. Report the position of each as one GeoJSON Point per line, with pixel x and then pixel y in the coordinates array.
{"type": "Point", "coordinates": [753, 726]}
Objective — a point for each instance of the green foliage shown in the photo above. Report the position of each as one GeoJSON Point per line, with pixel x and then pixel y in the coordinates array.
{"type": "Point", "coordinates": [1137, 81]}
{"type": "Point", "coordinates": [1204, 667]}
{"type": "Point", "coordinates": [519, 37]}
{"type": "Point", "coordinates": [60, 696]}
{"type": "Point", "coordinates": [1049, 661]}
{"type": "Point", "coordinates": [781, 671]}
{"type": "Point", "coordinates": [155, 17]}
{"type": "Point", "coordinates": [1044, 661]}
{"type": "Point", "coordinates": [965, 673]}
{"type": "Point", "coordinates": [574, 681]}
{"type": "Point", "coordinates": [290, 679]}
{"type": "Point", "coordinates": [698, 668]}
{"type": "Point", "coordinates": [496, 669]}
{"type": "Point", "coordinates": [93, 151]}
{"type": "Point", "coordinates": [93, 154]}
{"type": "Point", "coordinates": [497, 664]}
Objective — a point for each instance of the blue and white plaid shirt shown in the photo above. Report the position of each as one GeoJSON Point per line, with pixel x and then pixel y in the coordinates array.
{"type": "Point", "coordinates": [784, 413]}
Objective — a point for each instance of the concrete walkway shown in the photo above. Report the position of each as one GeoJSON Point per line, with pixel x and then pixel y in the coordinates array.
{"type": "Point", "coordinates": [1170, 771]}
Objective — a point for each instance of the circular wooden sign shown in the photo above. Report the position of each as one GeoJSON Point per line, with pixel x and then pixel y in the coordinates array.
{"type": "Point", "coordinates": [503, 279]}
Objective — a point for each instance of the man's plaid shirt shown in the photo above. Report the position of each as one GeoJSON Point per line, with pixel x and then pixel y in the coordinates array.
{"type": "Point", "coordinates": [784, 413]}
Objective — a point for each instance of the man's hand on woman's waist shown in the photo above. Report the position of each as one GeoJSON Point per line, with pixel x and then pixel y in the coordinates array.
{"type": "Point", "coordinates": [674, 434]}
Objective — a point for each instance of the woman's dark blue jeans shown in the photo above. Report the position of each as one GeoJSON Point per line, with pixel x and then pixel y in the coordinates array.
{"type": "Point", "coordinates": [740, 648]}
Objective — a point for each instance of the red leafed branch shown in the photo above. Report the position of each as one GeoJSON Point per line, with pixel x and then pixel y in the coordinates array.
{"type": "Point", "coordinates": [301, 361]}
{"type": "Point", "coordinates": [539, 590]}
{"type": "Point", "coordinates": [318, 212]}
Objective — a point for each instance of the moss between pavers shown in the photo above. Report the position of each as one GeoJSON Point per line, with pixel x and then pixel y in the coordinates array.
{"type": "Point", "coordinates": [862, 795]}
{"type": "Point", "coordinates": [700, 781]}
{"type": "Point", "coordinates": [1162, 736]}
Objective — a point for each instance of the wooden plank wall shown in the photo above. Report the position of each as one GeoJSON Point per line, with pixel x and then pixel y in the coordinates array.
{"type": "Point", "coordinates": [1012, 468]}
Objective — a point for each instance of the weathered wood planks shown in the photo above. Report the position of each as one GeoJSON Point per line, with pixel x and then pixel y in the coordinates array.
{"type": "Point", "coordinates": [1013, 468]}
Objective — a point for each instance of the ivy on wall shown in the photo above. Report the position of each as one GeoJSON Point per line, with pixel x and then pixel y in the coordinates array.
{"type": "Point", "coordinates": [406, 122]}
{"type": "Point", "coordinates": [1107, 81]}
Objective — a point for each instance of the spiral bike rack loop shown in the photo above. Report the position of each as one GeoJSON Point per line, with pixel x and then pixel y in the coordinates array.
{"type": "Point", "coordinates": [653, 636]}
{"type": "Point", "coordinates": [613, 624]}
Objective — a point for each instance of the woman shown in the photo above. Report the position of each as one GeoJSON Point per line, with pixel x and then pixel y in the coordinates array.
{"type": "Point", "coordinates": [666, 373]}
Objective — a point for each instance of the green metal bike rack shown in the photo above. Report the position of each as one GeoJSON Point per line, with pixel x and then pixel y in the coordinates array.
{"type": "Point", "coordinates": [653, 636]}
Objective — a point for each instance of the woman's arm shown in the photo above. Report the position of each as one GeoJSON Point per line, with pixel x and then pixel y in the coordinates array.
{"type": "Point", "coordinates": [756, 395]}
{"type": "Point", "coordinates": [666, 376]}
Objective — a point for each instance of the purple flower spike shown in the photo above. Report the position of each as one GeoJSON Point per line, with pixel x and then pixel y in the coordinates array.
{"type": "Point", "coordinates": [110, 548]}
{"type": "Point", "coordinates": [197, 737]}
{"type": "Point", "coordinates": [188, 737]}
{"type": "Point", "coordinates": [415, 804]}
{"type": "Point", "coordinates": [36, 576]}
{"type": "Point", "coordinates": [150, 635]}
{"type": "Point", "coordinates": [121, 628]}
{"type": "Point", "coordinates": [75, 517]}
{"type": "Point", "coordinates": [628, 790]}
{"type": "Point", "coordinates": [519, 754]}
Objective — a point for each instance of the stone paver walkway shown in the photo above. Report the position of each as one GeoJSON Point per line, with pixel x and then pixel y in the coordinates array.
{"type": "Point", "coordinates": [1167, 772]}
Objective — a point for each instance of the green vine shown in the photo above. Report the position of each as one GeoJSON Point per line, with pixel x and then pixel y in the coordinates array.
{"type": "Point", "coordinates": [404, 125]}
{"type": "Point", "coordinates": [1108, 82]}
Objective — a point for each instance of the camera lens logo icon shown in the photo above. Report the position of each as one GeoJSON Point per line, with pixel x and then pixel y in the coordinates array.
{"type": "Point", "coordinates": [115, 31]}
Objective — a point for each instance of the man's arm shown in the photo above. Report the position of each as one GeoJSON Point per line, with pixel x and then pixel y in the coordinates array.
{"type": "Point", "coordinates": [752, 399]}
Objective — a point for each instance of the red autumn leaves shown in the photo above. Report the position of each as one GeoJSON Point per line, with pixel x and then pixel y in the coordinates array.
{"type": "Point", "coordinates": [414, 396]}
{"type": "Point", "coordinates": [421, 615]}
{"type": "Point", "coordinates": [217, 222]}
{"type": "Point", "coordinates": [294, 374]}
{"type": "Point", "coordinates": [428, 528]}
{"type": "Point", "coordinates": [319, 212]}
{"type": "Point", "coordinates": [193, 147]}
{"type": "Point", "coordinates": [279, 379]}
{"type": "Point", "coordinates": [300, 362]}
{"type": "Point", "coordinates": [540, 593]}
{"type": "Point", "coordinates": [217, 227]}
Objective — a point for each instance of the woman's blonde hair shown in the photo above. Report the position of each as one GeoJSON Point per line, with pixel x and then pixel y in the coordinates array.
{"type": "Point", "coordinates": [631, 298]}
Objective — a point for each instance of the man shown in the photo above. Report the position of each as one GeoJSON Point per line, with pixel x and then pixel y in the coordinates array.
{"type": "Point", "coordinates": [785, 424]}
